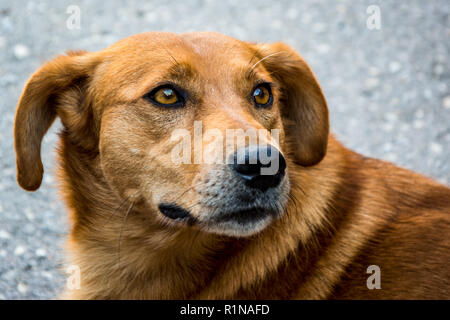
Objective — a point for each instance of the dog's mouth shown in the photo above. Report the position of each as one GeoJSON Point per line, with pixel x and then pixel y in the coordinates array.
{"type": "Point", "coordinates": [237, 223]}
{"type": "Point", "coordinates": [177, 213]}
{"type": "Point", "coordinates": [174, 212]}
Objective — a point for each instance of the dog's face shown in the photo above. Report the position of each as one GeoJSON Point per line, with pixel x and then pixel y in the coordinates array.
{"type": "Point", "coordinates": [196, 129]}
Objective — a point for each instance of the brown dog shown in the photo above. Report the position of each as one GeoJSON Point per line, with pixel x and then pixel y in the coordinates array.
{"type": "Point", "coordinates": [144, 227]}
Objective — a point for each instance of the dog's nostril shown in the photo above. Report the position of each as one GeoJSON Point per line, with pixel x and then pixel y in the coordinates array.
{"type": "Point", "coordinates": [247, 171]}
{"type": "Point", "coordinates": [260, 167]}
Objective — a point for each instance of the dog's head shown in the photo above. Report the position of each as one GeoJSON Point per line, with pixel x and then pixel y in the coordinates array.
{"type": "Point", "coordinates": [199, 129]}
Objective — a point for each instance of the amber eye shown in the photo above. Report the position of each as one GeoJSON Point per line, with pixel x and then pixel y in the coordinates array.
{"type": "Point", "coordinates": [166, 96]}
{"type": "Point", "coordinates": [262, 96]}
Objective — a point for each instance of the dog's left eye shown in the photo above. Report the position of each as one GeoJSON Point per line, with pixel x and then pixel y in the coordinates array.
{"type": "Point", "coordinates": [262, 95]}
{"type": "Point", "coordinates": [166, 96]}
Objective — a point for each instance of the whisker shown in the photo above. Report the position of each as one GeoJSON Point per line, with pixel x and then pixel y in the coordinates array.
{"type": "Point", "coordinates": [173, 58]}
{"type": "Point", "coordinates": [264, 58]}
{"type": "Point", "coordinates": [293, 201]}
{"type": "Point", "coordinates": [122, 228]}
{"type": "Point", "coordinates": [192, 206]}
{"type": "Point", "coordinates": [194, 239]}
{"type": "Point", "coordinates": [253, 57]}
{"type": "Point", "coordinates": [116, 210]}
{"type": "Point", "coordinates": [188, 189]}
{"type": "Point", "coordinates": [303, 191]}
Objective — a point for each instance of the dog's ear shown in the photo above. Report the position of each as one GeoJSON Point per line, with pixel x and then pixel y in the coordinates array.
{"type": "Point", "coordinates": [304, 110]}
{"type": "Point", "coordinates": [37, 110]}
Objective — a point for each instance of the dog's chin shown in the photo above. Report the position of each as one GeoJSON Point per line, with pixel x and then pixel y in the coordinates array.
{"type": "Point", "coordinates": [238, 223]}
{"type": "Point", "coordinates": [243, 223]}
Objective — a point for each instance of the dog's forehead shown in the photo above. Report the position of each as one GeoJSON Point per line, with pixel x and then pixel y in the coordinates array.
{"type": "Point", "coordinates": [209, 44]}
{"type": "Point", "coordinates": [200, 48]}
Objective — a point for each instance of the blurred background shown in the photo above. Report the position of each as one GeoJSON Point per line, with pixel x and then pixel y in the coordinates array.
{"type": "Point", "coordinates": [383, 66]}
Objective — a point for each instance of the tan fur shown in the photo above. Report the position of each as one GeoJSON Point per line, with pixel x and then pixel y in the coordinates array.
{"type": "Point", "coordinates": [344, 213]}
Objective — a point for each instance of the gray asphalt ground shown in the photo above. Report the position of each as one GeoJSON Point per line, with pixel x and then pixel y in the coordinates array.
{"type": "Point", "coordinates": [387, 89]}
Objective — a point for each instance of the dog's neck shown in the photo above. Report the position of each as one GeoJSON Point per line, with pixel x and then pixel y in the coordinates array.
{"type": "Point", "coordinates": [123, 253]}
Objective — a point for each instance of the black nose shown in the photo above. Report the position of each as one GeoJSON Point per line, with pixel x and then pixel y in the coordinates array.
{"type": "Point", "coordinates": [260, 167]}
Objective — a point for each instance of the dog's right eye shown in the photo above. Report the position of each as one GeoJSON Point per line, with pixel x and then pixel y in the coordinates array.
{"type": "Point", "coordinates": [166, 96]}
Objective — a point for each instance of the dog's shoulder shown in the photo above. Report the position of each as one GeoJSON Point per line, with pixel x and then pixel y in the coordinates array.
{"type": "Point", "coordinates": [410, 244]}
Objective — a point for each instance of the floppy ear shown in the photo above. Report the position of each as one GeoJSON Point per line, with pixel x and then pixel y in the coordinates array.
{"type": "Point", "coordinates": [37, 110]}
{"type": "Point", "coordinates": [304, 110]}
